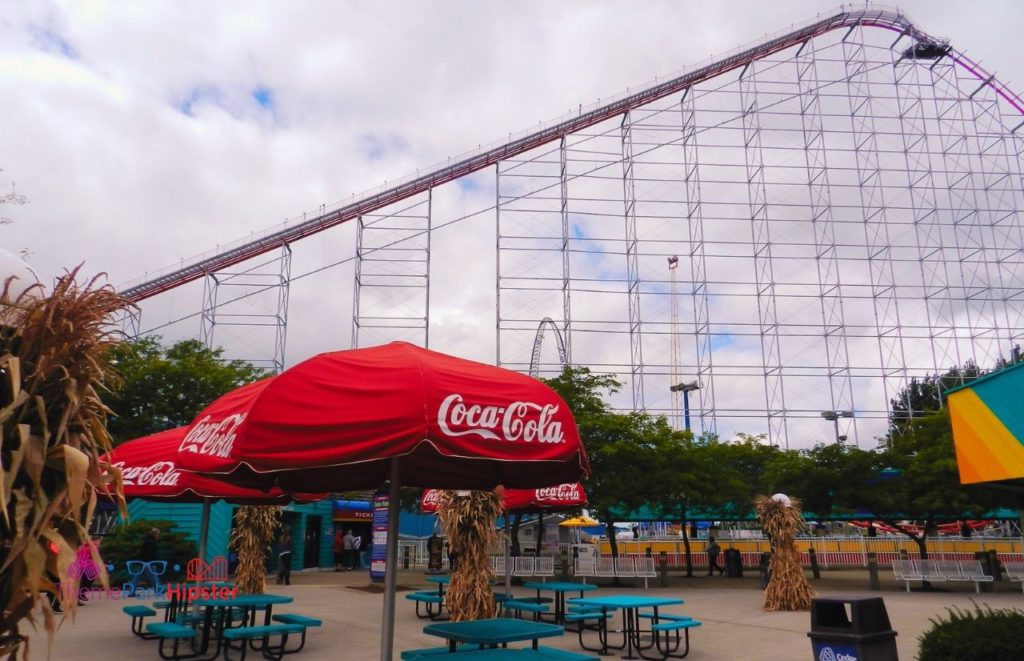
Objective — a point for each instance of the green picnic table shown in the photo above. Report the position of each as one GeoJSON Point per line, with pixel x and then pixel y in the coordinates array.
{"type": "Point", "coordinates": [494, 632]}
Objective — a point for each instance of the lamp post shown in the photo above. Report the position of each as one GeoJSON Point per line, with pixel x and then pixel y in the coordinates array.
{"type": "Point", "coordinates": [834, 417]}
{"type": "Point", "coordinates": [685, 388]}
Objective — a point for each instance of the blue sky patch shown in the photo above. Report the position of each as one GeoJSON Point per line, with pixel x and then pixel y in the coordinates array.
{"type": "Point", "coordinates": [200, 95]}
{"type": "Point", "coordinates": [375, 147]}
{"type": "Point", "coordinates": [264, 96]}
{"type": "Point", "coordinates": [51, 41]}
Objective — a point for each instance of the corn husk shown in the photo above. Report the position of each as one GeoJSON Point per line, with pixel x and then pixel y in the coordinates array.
{"type": "Point", "coordinates": [788, 589]}
{"type": "Point", "coordinates": [53, 423]}
{"type": "Point", "coordinates": [251, 538]}
{"type": "Point", "coordinates": [468, 522]}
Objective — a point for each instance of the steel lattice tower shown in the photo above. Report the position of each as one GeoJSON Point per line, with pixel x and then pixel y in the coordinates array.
{"type": "Point", "coordinates": [844, 199]}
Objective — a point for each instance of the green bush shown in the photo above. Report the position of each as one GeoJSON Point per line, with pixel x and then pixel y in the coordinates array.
{"type": "Point", "coordinates": [983, 634]}
{"type": "Point", "coordinates": [124, 542]}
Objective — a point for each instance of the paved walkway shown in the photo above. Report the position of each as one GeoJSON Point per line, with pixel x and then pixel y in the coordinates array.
{"type": "Point", "coordinates": [734, 626]}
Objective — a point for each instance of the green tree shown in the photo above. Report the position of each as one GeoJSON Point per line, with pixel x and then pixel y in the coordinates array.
{"type": "Point", "coordinates": [917, 479]}
{"type": "Point", "coordinates": [164, 387]}
{"type": "Point", "coordinates": [922, 397]}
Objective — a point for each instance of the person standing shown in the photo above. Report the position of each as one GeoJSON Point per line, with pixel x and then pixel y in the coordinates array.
{"type": "Point", "coordinates": [338, 547]}
{"type": "Point", "coordinates": [284, 557]}
{"type": "Point", "coordinates": [348, 545]}
{"type": "Point", "coordinates": [713, 550]}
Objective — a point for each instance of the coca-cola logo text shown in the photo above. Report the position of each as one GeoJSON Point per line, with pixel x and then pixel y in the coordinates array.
{"type": "Point", "coordinates": [519, 421]}
{"type": "Point", "coordinates": [160, 474]}
{"type": "Point", "coordinates": [431, 497]}
{"type": "Point", "coordinates": [560, 493]}
{"type": "Point", "coordinates": [212, 438]}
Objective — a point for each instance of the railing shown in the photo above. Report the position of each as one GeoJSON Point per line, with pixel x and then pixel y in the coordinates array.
{"type": "Point", "coordinates": [831, 552]}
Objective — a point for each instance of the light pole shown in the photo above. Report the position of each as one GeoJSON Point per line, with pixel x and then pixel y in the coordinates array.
{"type": "Point", "coordinates": [834, 417]}
{"type": "Point", "coordinates": [685, 388]}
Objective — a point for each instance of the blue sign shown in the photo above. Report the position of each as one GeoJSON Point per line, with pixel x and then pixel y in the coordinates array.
{"type": "Point", "coordinates": [379, 552]}
{"type": "Point", "coordinates": [830, 652]}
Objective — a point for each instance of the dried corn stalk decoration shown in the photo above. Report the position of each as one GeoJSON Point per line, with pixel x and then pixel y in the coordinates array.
{"type": "Point", "coordinates": [788, 589]}
{"type": "Point", "coordinates": [251, 539]}
{"type": "Point", "coordinates": [52, 365]}
{"type": "Point", "coordinates": [468, 522]}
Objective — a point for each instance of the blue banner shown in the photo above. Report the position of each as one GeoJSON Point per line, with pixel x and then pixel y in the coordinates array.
{"type": "Point", "coordinates": [379, 553]}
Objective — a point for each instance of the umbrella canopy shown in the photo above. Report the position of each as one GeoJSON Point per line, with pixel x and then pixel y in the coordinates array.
{"type": "Point", "coordinates": [149, 470]}
{"type": "Point", "coordinates": [335, 422]}
{"type": "Point", "coordinates": [579, 522]}
{"type": "Point", "coordinates": [559, 497]}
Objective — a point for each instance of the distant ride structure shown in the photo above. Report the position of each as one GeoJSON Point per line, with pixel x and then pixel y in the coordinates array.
{"type": "Point", "coordinates": [843, 200]}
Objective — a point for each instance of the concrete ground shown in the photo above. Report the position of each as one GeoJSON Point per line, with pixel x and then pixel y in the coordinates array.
{"type": "Point", "coordinates": [734, 625]}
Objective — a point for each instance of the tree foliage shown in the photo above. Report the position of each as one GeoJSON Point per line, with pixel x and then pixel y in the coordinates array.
{"type": "Point", "coordinates": [165, 387]}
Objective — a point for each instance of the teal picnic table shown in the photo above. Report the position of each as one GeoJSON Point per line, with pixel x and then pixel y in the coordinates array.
{"type": "Point", "coordinates": [630, 606]}
{"type": "Point", "coordinates": [217, 615]}
{"type": "Point", "coordinates": [493, 632]}
{"type": "Point", "coordinates": [441, 580]}
{"type": "Point", "coordinates": [560, 588]}
{"type": "Point", "coordinates": [507, 654]}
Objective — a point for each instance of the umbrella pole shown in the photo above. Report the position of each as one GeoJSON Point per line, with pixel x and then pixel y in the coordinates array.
{"type": "Point", "coordinates": [508, 568]}
{"type": "Point", "coordinates": [387, 633]}
{"type": "Point", "coordinates": [204, 527]}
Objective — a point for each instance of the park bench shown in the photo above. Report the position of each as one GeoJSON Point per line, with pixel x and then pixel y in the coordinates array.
{"type": "Point", "coordinates": [1015, 572]}
{"type": "Point", "coordinates": [138, 614]}
{"type": "Point", "coordinates": [584, 567]}
{"type": "Point", "coordinates": [905, 570]}
{"type": "Point", "coordinates": [244, 635]}
{"type": "Point", "coordinates": [302, 620]}
{"type": "Point", "coordinates": [545, 567]}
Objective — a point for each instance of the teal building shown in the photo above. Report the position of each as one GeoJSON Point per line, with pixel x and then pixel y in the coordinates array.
{"type": "Point", "coordinates": [311, 525]}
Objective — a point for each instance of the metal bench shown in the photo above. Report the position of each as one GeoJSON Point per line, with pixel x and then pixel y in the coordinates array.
{"type": "Point", "coordinates": [645, 569]}
{"type": "Point", "coordinates": [429, 599]}
{"type": "Point", "coordinates": [519, 606]}
{"type": "Point", "coordinates": [905, 570]}
{"type": "Point", "coordinates": [138, 614]}
{"type": "Point", "coordinates": [243, 635]}
{"type": "Point", "coordinates": [1015, 572]}
{"type": "Point", "coordinates": [169, 632]}
{"type": "Point", "coordinates": [971, 570]}
{"type": "Point", "coordinates": [302, 620]}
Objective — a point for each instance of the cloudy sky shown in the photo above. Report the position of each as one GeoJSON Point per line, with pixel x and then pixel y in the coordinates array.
{"type": "Point", "coordinates": [145, 133]}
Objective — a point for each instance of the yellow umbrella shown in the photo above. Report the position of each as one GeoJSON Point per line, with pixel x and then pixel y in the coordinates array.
{"type": "Point", "coordinates": [579, 522]}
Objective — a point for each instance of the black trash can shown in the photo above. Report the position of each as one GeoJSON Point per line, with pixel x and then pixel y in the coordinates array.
{"type": "Point", "coordinates": [851, 629]}
{"type": "Point", "coordinates": [733, 563]}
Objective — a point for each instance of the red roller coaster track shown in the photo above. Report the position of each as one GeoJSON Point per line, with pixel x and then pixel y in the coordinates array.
{"type": "Point", "coordinates": [248, 249]}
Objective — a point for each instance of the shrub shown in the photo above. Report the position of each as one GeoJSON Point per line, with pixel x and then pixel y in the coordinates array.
{"type": "Point", "coordinates": [124, 542]}
{"type": "Point", "coordinates": [984, 634]}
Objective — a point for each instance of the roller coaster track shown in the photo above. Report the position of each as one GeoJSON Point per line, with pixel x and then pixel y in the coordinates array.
{"type": "Point", "coordinates": [412, 185]}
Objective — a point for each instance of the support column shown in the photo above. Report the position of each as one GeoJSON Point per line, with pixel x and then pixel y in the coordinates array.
{"type": "Point", "coordinates": [833, 320]}
{"type": "Point", "coordinates": [563, 168]}
{"type": "Point", "coordinates": [632, 265]}
{"type": "Point", "coordinates": [873, 208]}
{"type": "Point", "coordinates": [698, 263]}
{"type": "Point", "coordinates": [764, 276]}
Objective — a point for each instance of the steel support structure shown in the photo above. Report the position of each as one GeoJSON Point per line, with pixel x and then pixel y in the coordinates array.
{"type": "Point", "coordinates": [636, 352]}
{"type": "Point", "coordinates": [970, 231]}
{"type": "Point", "coordinates": [871, 189]}
{"type": "Point", "coordinates": [391, 300]}
{"type": "Point", "coordinates": [848, 196]}
{"type": "Point", "coordinates": [911, 88]}
{"type": "Point", "coordinates": [833, 321]}
{"type": "Point", "coordinates": [764, 274]}
{"type": "Point", "coordinates": [253, 300]}
{"type": "Point", "coordinates": [698, 262]}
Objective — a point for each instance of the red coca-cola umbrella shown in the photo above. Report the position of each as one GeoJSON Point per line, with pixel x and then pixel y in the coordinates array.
{"type": "Point", "coordinates": [397, 413]}
{"type": "Point", "coordinates": [336, 421]}
{"type": "Point", "coordinates": [550, 499]}
{"type": "Point", "coordinates": [149, 470]}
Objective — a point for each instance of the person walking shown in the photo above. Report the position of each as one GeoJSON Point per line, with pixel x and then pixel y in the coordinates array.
{"type": "Point", "coordinates": [284, 557]}
{"type": "Point", "coordinates": [338, 546]}
{"type": "Point", "coordinates": [713, 550]}
{"type": "Point", "coordinates": [348, 545]}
